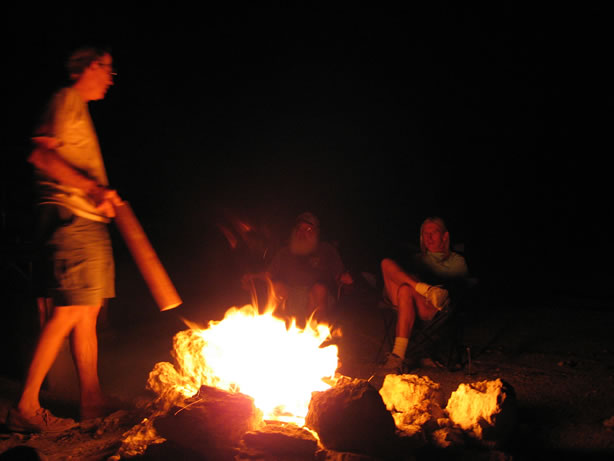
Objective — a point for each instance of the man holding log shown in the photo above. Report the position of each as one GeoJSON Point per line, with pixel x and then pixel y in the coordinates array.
{"type": "Point", "coordinates": [75, 205]}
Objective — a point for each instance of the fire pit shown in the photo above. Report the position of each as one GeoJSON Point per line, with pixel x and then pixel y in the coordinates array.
{"type": "Point", "coordinates": [254, 354]}
{"type": "Point", "coordinates": [249, 386]}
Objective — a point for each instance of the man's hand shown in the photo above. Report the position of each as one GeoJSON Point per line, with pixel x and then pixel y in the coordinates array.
{"type": "Point", "coordinates": [46, 159]}
{"type": "Point", "coordinates": [105, 200]}
{"type": "Point", "coordinates": [346, 279]}
{"type": "Point", "coordinates": [47, 142]}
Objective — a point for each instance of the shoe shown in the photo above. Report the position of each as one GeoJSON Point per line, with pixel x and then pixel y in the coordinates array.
{"type": "Point", "coordinates": [438, 297]}
{"type": "Point", "coordinates": [41, 421]}
{"type": "Point", "coordinates": [394, 365]}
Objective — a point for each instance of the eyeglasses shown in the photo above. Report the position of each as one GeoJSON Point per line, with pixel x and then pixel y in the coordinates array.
{"type": "Point", "coordinates": [108, 67]}
{"type": "Point", "coordinates": [304, 227]}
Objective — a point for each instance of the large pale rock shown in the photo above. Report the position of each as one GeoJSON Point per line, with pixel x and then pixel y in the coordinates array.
{"type": "Point", "coordinates": [414, 402]}
{"type": "Point", "coordinates": [486, 409]}
{"type": "Point", "coordinates": [351, 417]}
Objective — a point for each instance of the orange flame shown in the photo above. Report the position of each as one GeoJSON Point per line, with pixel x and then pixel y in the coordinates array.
{"type": "Point", "coordinates": [255, 354]}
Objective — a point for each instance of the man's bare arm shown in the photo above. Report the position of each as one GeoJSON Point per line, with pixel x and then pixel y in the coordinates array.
{"type": "Point", "coordinates": [45, 158]}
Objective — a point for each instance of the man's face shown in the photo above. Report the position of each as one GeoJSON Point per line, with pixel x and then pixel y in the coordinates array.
{"type": "Point", "coordinates": [100, 76]}
{"type": "Point", "coordinates": [434, 238]}
{"type": "Point", "coordinates": [304, 239]}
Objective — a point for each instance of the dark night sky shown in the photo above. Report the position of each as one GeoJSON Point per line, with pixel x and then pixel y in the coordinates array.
{"type": "Point", "coordinates": [372, 117]}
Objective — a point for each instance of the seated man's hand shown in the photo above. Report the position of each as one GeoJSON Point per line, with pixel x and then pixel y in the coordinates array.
{"type": "Point", "coordinates": [346, 279]}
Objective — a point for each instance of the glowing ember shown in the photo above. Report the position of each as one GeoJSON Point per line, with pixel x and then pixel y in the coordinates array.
{"type": "Point", "coordinates": [255, 354]}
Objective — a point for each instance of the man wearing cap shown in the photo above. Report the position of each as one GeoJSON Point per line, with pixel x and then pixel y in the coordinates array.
{"type": "Point", "coordinates": [307, 272]}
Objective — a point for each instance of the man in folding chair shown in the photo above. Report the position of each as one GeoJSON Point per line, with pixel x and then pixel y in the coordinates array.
{"type": "Point", "coordinates": [307, 273]}
{"type": "Point", "coordinates": [419, 292]}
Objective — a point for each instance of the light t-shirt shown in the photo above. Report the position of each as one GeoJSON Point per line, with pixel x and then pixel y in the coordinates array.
{"type": "Point", "coordinates": [68, 119]}
{"type": "Point", "coordinates": [452, 267]}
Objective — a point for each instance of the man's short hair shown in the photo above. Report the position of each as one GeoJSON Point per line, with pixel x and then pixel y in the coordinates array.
{"type": "Point", "coordinates": [81, 59]}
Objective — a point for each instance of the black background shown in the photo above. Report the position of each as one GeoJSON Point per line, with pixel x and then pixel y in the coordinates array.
{"type": "Point", "coordinates": [373, 118]}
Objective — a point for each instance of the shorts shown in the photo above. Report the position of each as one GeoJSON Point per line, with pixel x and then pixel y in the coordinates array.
{"type": "Point", "coordinates": [78, 259]}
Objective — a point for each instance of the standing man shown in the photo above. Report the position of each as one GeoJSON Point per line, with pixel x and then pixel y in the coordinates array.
{"type": "Point", "coordinates": [75, 205]}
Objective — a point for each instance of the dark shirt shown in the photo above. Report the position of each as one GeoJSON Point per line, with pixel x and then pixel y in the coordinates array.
{"type": "Point", "coordinates": [323, 265]}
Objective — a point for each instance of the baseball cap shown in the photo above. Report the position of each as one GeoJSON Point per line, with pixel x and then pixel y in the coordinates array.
{"type": "Point", "coordinates": [308, 218]}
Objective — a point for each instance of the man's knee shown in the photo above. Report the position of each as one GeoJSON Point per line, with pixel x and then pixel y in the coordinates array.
{"type": "Point", "coordinates": [319, 290]}
{"type": "Point", "coordinates": [405, 292]}
{"type": "Point", "coordinates": [386, 265]}
{"type": "Point", "coordinates": [281, 290]}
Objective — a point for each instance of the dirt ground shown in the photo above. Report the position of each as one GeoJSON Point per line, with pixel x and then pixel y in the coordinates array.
{"type": "Point", "coordinates": [558, 358]}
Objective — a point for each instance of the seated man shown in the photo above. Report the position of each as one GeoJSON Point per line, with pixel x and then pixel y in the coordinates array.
{"type": "Point", "coordinates": [307, 271]}
{"type": "Point", "coordinates": [418, 292]}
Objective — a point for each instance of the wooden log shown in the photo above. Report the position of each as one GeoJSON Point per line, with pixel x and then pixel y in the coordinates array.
{"type": "Point", "coordinates": [146, 259]}
{"type": "Point", "coordinates": [279, 441]}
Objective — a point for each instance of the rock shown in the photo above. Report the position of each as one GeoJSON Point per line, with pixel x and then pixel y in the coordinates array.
{"type": "Point", "coordinates": [213, 422]}
{"type": "Point", "coordinates": [486, 409]}
{"type": "Point", "coordinates": [403, 393]}
{"type": "Point", "coordinates": [413, 400]}
{"type": "Point", "coordinates": [351, 417]}
{"type": "Point", "coordinates": [279, 441]}
{"type": "Point", "coordinates": [447, 437]}
{"type": "Point", "coordinates": [415, 403]}
{"type": "Point", "coordinates": [331, 455]}
{"type": "Point", "coordinates": [22, 453]}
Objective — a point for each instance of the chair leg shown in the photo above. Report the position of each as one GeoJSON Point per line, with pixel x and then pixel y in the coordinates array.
{"type": "Point", "coordinates": [389, 320]}
{"type": "Point", "coordinates": [458, 348]}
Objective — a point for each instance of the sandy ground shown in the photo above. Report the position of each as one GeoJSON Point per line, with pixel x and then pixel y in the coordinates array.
{"type": "Point", "coordinates": [558, 358]}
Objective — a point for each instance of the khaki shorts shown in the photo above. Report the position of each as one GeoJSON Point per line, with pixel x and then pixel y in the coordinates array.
{"type": "Point", "coordinates": [79, 261]}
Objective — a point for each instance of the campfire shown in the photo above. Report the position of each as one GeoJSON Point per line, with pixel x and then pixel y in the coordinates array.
{"type": "Point", "coordinates": [251, 385]}
{"type": "Point", "coordinates": [255, 354]}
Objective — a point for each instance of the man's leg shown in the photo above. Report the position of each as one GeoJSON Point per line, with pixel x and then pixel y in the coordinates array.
{"type": "Point", "coordinates": [318, 301]}
{"type": "Point", "coordinates": [60, 324]}
{"type": "Point", "coordinates": [394, 276]}
{"type": "Point", "coordinates": [280, 291]}
{"type": "Point", "coordinates": [401, 289]}
{"type": "Point", "coordinates": [84, 348]}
